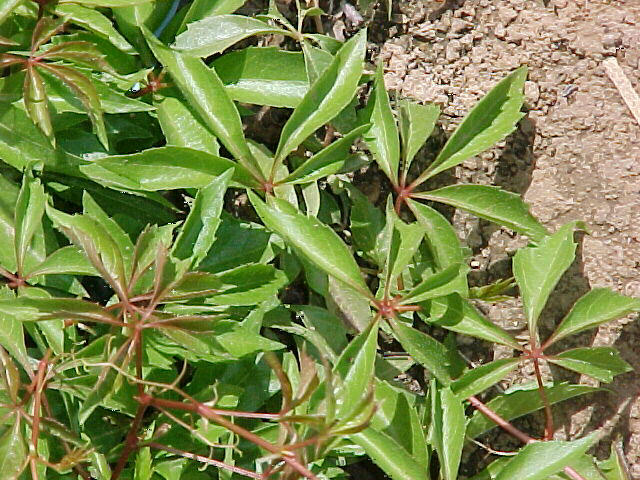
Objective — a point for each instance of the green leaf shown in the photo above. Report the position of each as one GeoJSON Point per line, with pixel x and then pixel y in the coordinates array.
{"type": "Point", "coordinates": [399, 242]}
{"type": "Point", "coordinates": [22, 143]}
{"type": "Point", "coordinates": [480, 378]}
{"type": "Point", "coordinates": [448, 427]}
{"type": "Point", "coordinates": [316, 60]}
{"type": "Point", "coordinates": [441, 237]}
{"type": "Point", "coordinates": [416, 123]}
{"type": "Point", "coordinates": [327, 96]}
{"type": "Point", "coordinates": [215, 33]}
{"type": "Point", "coordinates": [13, 451]}
{"type": "Point", "coordinates": [383, 450]}
{"type": "Point", "coordinates": [12, 334]}
{"type": "Point", "coordinates": [106, 3]}
{"type": "Point", "coordinates": [249, 285]}
{"type": "Point", "coordinates": [237, 243]}
{"type": "Point", "coordinates": [439, 284]}
{"type": "Point", "coordinates": [163, 168]}
{"type": "Point", "coordinates": [517, 403]}
{"type": "Point", "coordinates": [199, 229]}
{"type": "Point", "coordinates": [264, 76]}
{"type": "Point", "coordinates": [200, 9]}
{"type": "Point", "coordinates": [143, 468]}
{"type": "Point", "coordinates": [397, 416]}
{"type": "Point", "coordinates": [457, 314]}
{"type": "Point", "coordinates": [66, 260]}
{"type": "Point", "coordinates": [382, 137]}
{"type": "Point", "coordinates": [182, 128]}
{"type": "Point", "coordinates": [538, 269]}
{"type": "Point", "coordinates": [491, 203]}
{"type": "Point", "coordinates": [615, 467]}
{"type": "Point", "coordinates": [96, 22]}
{"type": "Point", "coordinates": [597, 306]}
{"type": "Point", "coordinates": [29, 210]}
{"type": "Point", "coordinates": [7, 7]}
{"type": "Point", "coordinates": [601, 363]}
{"type": "Point", "coordinates": [426, 350]}
{"type": "Point", "coordinates": [316, 241]}
{"type": "Point", "coordinates": [356, 366]}
{"type": "Point", "coordinates": [493, 118]}
{"type": "Point", "coordinates": [327, 161]}
{"type": "Point", "coordinates": [367, 222]}
{"type": "Point", "coordinates": [539, 460]}
{"type": "Point", "coordinates": [349, 304]}
{"type": "Point", "coordinates": [206, 94]}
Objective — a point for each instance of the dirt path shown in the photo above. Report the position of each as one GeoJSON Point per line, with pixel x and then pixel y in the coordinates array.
{"type": "Point", "coordinates": [575, 156]}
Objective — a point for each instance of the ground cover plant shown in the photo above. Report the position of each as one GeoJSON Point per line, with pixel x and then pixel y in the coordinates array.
{"type": "Point", "coordinates": [182, 301]}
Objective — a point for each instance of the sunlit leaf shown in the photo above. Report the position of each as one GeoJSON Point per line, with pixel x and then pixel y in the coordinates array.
{"type": "Point", "coordinates": [538, 460]}
{"type": "Point", "coordinates": [199, 229]}
{"type": "Point", "coordinates": [215, 33]}
{"type": "Point", "coordinates": [448, 429]}
{"type": "Point", "coordinates": [382, 137]}
{"type": "Point", "coordinates": [601, 363]}
{"type": "Point", "coordinates": [517, 403]}
{"type": "Point", "coordinates": [327, 96]}
{"type": "Point", "coordinates": [538, 269]}
{"type": "Point", "coordinates": [480, 378]}
{"type": "Point", "coordinates": [493, 118]}
{"type": "Point", "coordinates": [315, 240]}
{"type": "Point", "coordinates": [597, 306]}
{"type": "Point", "coordinates": [491, 203]}
{"type": "Point", "coordinates": [416, 123]}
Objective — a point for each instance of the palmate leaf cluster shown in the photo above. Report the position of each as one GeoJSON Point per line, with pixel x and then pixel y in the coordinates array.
{"type": "Point", "coordinates": [181, 301]}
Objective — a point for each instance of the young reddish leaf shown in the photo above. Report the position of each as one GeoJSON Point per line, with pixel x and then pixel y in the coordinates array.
{"type": "Point", "coordinates": [80, 52]}
{"type": "Point", "coordinates": [6, 60]}
{"type": "Point", "coordinates": [32, 309]}
{"type": "Point", "coordinates": [86, 92]}
{"type": "Point", "coordinates": [36, 102]}
{"type": "Point", "coordinates": [101, 249]}
{"type": "Point", "coordinates": [46, 28]}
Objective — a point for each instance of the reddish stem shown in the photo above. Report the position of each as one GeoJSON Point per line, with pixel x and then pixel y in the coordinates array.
{"type": "Point", "coordinates": [548, 429]}
{"type": "Point", "coordinates": [501, 422]}
{"type": "Point", "coordinates": [206, 412]}
{"type": "Point", "coordinates": [131, 442]}
{"type": "Point", "coordinates": [207, 460]}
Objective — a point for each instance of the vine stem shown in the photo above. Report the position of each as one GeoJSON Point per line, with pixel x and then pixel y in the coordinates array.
{"type": "Point", "coordinates": [203, 410]}
{"type": "Point", "coordinates": [207, 460]}
{"type": "Point", "coordinates": [549, 428]}
{"type": "Point", "coordinates": [513, 431]}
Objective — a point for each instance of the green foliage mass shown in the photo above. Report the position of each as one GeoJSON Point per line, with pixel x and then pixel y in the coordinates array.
{"type": "Point", "coordinates": [185, 299]}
